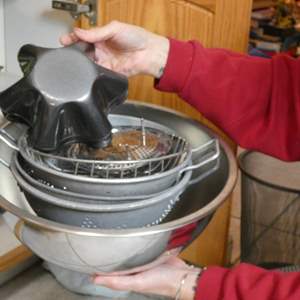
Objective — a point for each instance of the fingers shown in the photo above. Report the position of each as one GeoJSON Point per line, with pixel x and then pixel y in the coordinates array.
{"type": "Point", "coordinates": [93, 35]}
{"type": "Point", "coordinates": [68, 39]}
{"type": "Point", "coordinates": [120, 283]}
{"type": "Point", "coordinates": [98, 34]}
{"type": "Point", "coordinates": [176, 262]}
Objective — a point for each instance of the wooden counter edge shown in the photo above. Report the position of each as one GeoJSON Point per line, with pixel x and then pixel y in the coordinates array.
{"type": "Point", "coordinates": [14, 257]}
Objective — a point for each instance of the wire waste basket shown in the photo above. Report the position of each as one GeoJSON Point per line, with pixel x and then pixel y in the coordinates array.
{"type": "Point", "coordinates": [270, 219]}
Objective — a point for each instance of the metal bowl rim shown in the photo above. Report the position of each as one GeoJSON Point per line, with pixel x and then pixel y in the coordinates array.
{"type": "Point", "coordinates": [79, 178]}
{"type": "Point", "coordinates": [112, 181]}
{"type": "Point", "coordinates": [67, 193]}
{"type": "Point", "coordinates": [102, 208]}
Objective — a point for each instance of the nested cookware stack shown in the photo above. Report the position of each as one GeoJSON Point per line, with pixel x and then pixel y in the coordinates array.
{"type": "Point", "coordinates": [77, 196]}
{"type": "Point", "coordinates": [78, 166]}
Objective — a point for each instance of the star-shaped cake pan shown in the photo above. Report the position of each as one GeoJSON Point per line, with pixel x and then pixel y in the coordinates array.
{"type": "Point", "coordinates": [64, 97]}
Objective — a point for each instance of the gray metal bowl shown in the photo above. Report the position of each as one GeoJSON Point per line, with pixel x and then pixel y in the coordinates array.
{"type": "Point", "coordinates": [95, 214]}
{"type": "Point", "coordinates": [46, 187]}
{"type": "Point", "coordinates": [109, 187]}
{"type": "Point", "coordinates": [138, 187]}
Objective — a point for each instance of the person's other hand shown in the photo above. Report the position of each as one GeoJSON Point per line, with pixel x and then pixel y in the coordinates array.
{"type": "Point", "coordinates": [163, 280]}
{"type": "Point", "coordinates": [124, 48]}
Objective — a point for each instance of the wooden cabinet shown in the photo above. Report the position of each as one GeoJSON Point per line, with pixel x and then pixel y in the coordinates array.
{"type": "Point", "coordinates": [216, 23]}
{"type": "Point", "coordinates": [259, 4]}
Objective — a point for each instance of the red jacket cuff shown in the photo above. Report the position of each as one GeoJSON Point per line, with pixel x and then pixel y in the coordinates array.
{"type": "Point", "coordinates": [178, 66]}
{"type": "Point", "coordinates": [208, 284]}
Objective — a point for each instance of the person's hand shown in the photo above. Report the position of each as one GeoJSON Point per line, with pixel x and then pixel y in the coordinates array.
{"type": "Point", "coordinates": [124, 48]}
{"type": "Point", "coordinates": [163, 280]}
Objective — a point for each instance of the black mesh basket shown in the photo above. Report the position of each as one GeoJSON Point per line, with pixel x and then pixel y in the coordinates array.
{"type": "Point", "coordinates": [270, 221]}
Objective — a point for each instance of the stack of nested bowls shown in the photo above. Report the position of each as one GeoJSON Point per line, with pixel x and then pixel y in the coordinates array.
{"type": "Point", "coordinates": [95, 189]}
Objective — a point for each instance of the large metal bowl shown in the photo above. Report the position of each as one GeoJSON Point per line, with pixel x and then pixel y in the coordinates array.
{"type": "Point", "coordinates": [99, 250]}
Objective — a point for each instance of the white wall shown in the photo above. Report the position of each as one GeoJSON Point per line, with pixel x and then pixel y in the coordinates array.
{"type": "Point", "coordinates": [2, 51]}
{"type": "Point", "coordinates": [33, 22]}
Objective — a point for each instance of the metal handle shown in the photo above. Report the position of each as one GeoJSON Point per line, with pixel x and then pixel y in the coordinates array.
{"type": "Point", "coordinates": [4, 163]}
{"type": "Point", "coordinates": [8, 140]}
{"type": "Point", "coordinates": [214, 157]}
{"type": "Point", "coordinates": [71, 6]}
{"type": "Point", "coordinates": [88, 8]}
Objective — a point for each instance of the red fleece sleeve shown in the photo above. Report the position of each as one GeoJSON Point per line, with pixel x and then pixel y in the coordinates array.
{"type": "Point", "coordinates": [256, 101]}
{"type": "Point", "coordinates": [247, 282]}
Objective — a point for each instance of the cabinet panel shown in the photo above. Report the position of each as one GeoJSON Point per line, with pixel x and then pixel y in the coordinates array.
{"type": "Point", "coordinates": [258, 4]}
{"type": "Point", "coordinates": [209, 4]}
{"type": "Point", "coordinates": [178, 19]}
{"type": "Point", "coordinates": [227, 27]}
{"type": "Point", "coordinates": [232, 24]}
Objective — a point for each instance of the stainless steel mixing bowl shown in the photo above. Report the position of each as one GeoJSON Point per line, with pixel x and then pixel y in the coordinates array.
{"type": "Point", "coordinates": [99, 250]}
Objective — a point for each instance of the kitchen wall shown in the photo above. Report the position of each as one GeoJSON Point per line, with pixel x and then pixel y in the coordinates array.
{"type": "Point", "coordinates": [31, 21]}
{"type": "Point", "coordinates": [2, 54]}
{"type": "Point", "coordinates": [22, 22]}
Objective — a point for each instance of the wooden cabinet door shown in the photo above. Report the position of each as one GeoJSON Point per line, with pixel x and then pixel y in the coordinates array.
{"type": "Point", "coordinates": [215, 23]}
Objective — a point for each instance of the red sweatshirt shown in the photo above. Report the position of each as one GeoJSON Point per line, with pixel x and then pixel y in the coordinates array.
{"type": "Point", "coordinates": [256, 101]}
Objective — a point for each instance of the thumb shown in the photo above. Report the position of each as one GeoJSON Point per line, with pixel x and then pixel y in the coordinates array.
{"type": "Point", "coordinates": [176, 262]}
{"type": "Point", "coordinates": [98, 34]}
